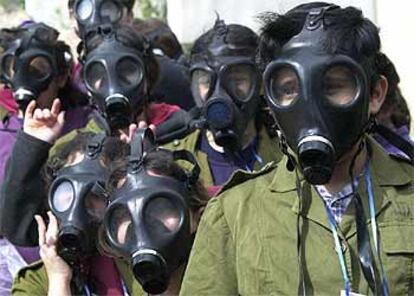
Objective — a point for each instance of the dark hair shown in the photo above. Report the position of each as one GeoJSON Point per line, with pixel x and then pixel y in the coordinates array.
{"type": "Point", "coordinates": [236, 34]}
{"type": "Point", "coordinates": [348, 32]}
{"type": "Point", "coordinates": [113, 149]}
{"type": "Point", "coordinates": [129, 37]}
{"type": "Point", "coordinates": [394, 100]}
{"type": "Point", "coordinates": [160, 35]}
{"type": "Point", "coordinates": [161, 162]}
{"type": "Point", "coordinates": [128, 3]}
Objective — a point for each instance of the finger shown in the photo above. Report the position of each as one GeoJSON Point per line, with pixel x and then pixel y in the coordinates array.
{"type": "Point", "coordinates": [56, 107]}
{"type": "Point", "coordinates": [41, 228]}
{"type": "Point", "coordinates": [47, 115]}
{"type": "Point", "coordinates": [124, 138]}
{"type": "Point", "coordinates": [29, 110]}
{"type": "Point", "coordinates": [153, 127]}
{"type": "Point", "coordinates": [132, 129]}
{"type": "Point", "coordinates": [52, 230]}
{"type": "Point", "coordinates": [61, 118]}
{"type": "Point", "coordinates": [142, 124]}
{"type": "Point", "coordinates": [38, 114]}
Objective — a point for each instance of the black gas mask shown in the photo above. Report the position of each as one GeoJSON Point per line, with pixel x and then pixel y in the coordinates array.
{"type": "Point", "coordinates": [78, 199]}
{"type": "Point", "coordinates": [319, 100]}
{"type": "Point", "coordinates": [32, 62]}
{"type": "Point", "coordinates": [148, 223]}
{"type": "Point", "coordinates": [225, 82]}
{"type": "Point", "coordinates": [90, 14]}
{"type": "Point", "coordinates": [115, 76]}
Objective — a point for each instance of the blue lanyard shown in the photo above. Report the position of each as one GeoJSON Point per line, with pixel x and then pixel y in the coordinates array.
{"type": "Point", "coordinates": [338, 248]}
{"type": "Point", "coordinates": [374, 226]}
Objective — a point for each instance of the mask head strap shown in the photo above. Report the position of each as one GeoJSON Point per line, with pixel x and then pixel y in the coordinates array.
{"type": "Point", "coordinates": [142, 143]}
{"type": "Point", "coordinates": [95, 146]}
{"type": "Point", "coordinates": [193, 175]}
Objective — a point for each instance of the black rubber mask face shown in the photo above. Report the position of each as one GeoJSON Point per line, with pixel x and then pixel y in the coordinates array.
{"type": "Point", "coordinates": [91, 14]}
{"type": "Point", "coordinates": [115, 77]}
{"type": "Point", "coordinates": [227, 88]}
{"type": "Point", "coordinates": [320, 100]}
{"type": "Point", "coordinates": [78, 199]}
{"type": "Point", "coordinates": [148, 223]}
{"type": "Point", "coordinates": [31, 64]}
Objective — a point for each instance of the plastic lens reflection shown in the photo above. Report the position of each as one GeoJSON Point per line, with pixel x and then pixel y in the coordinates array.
{"type": "Point", "coordinates": [340, 85]}
{"type": "Point", "coordinates": [96, 77]}
{"type": "Point", "coordinates": [84, 9]}
{"type": "Point", "coordinates": [96, 202]}
{"type": "Point", "coordinates": [40, 68]}
{"type": "Point", "coordinates": [9, 62]}
{"type": "Point", "coordinates": [110, 11]}
{"type": "Point", "coordinates": [63, 196]}
{"type": "Point", "coordinates": [238, 81]}
{"type": "Point", "coordinates": [284, 86]}
{"type": "Point", "coordinates": [129, 72]}
{"type": "Point", "coordinates": [162, 216]}
{"type": "Point", "coordinates": [121, 226]}
{"type": "Point", "coordinates": [200, 84]}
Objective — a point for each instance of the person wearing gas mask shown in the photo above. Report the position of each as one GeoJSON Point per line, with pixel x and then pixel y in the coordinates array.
{"type": "Point", "coordinates": [75, 180]}
{"type": "Point", "coordinates": [226, 87]}
{"type": "Point", "coordinates": [334, 217]}
{"type": "Point", "coordinates": [163, 178]}
{"type": "Point", "coordinates": [35, 65]}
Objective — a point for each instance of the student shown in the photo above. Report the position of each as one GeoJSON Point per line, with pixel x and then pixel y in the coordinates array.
{"type": "Point", "coordinates": [226, 86]}
{"type": "Point", "coordinates": [334, 215]}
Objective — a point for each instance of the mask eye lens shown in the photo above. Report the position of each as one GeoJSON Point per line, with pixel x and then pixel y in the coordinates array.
{"type": "Point", "coordinates": [8, 66]}
{"type": "Point", "coordinates": [96, 77]}
{"type": "Point", "coordinates": [84, 10]}
{"type": "Point", "coordinates": [110, 12]}
{"type": "Point", "coordinates": [239, 81]}
{"type": "Point", "coordinates": [121, 228]}
{"type": "Point", "coordinates": [284, 86]}
{"type": "Point", "coordinates": [40, 68]}
{"type": "Point", "coordinates": [129, 72]}
{"type": "Point", "coordinates": [63, 197]}
{"type": "Point", "coordinates": [340, 85]}
{"type": "Point", "coordinates": [162, 216]}
{"type": "Point", "coordinates": [200, 85]}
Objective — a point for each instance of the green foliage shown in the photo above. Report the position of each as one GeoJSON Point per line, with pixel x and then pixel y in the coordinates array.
{"type": "Point", "coordinates": [12, 4]}
{"type": "Point", "coordinates": [154, 9]}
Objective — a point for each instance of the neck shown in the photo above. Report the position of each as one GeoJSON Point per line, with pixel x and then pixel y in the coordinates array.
{"type": "Point", "coordinates": [248, 136]}
{"type": "Point", "coordinates": [340, 176]}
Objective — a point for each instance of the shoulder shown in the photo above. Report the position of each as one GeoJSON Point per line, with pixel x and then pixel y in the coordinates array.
{"type": "Point", "coordinates": [31, 280]}
{"type": "Point", "coordinates": [189, 142]}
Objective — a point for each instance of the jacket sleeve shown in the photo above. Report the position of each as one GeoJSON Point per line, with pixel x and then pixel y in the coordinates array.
{"type": "Point", "coordinates": [31, 280]}
{"type": "Point", "coordinates": [211, 269]}
{"type": "Point", "coordinates": [23, 191]}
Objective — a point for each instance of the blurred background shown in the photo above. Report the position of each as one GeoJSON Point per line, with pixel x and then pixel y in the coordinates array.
{"type": "Point", "coordinates": [189, 18]}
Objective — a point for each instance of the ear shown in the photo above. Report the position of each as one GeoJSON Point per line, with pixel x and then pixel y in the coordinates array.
{"type": "Point", "coordinates": [378, 95]}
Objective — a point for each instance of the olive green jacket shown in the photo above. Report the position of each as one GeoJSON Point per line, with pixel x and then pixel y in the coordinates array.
{"type": "Point", "coordinates": [32, 280]}
{"type": "Point", "coordinates": [246, 242]}
{"type": "Point", "coordinates": [268, 149]}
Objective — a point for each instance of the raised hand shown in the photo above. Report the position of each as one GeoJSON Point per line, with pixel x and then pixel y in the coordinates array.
{"type": "Point", "coordinates": [44, 124]}
{"type": "Point", "coordinates": [58, 271]}
{"type": "Point", "coordinates": [127, 138]}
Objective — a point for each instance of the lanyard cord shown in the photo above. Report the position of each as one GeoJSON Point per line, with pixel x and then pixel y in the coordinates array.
{"type": "Point", "coordinates": [124, 289]}
{"type": "Point", "coordinates": [374, 226]}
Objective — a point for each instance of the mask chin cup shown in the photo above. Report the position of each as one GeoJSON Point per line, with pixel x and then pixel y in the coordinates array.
{"type": "Point", "coordinates": [71, 245]}
{"type": "Point", "coordinates": [150, 270]}
{"type": "Point", "coordinates": [317, 161]}
{"type": "Point", "coordinates": [118, 111]}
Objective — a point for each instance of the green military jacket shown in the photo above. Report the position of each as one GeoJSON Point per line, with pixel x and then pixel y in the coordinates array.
{"type": "Point", "coordinates": [246, 242]}
{"type": "Point", "coordinates": [32, 280]}
{"type": "Point", "coordinates": [268, 149]}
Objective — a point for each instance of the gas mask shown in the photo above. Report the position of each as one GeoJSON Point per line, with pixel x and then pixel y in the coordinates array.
{"type": "Point", "coordinates": [320, 100]}
{"type": "Point", "coordinates": [90, 14]}
{"type": "Point", "coordinates": [148, 223]}
{"type": "Point", "coordinates": [78, 199]}
{"type": "Point", "coordinates": [225, 83]}
{"type": "Point", "coordinates": [31, 63]}
{"type": "Point", "coordinates": [115, 76]}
